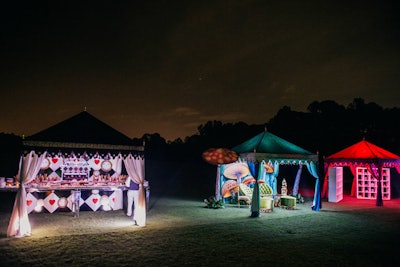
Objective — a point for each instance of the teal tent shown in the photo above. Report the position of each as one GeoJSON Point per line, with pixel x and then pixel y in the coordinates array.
{"type": "Point", "coordinates": [272, 151]}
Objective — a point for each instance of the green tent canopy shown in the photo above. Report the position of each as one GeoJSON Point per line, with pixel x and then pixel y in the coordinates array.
{"type": "Point", "coordinates": [267, 146]}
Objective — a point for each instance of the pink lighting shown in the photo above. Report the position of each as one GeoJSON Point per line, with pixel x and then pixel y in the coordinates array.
{"type": "Point", "coordinates": [369, 165]}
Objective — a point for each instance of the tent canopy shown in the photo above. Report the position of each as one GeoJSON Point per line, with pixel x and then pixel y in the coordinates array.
{"type": "Point", "coordinates": [269, 146]}
{"type": "Point", "coordinates": [82, 128]}
{"type": "Point", "coordinates": [82, 132]}
{"type": "Point", "coordinates": [364, 152]}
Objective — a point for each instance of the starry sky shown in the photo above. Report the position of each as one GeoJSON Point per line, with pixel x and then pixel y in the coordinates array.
{"type": "Point", "coordinates": [169, 66]}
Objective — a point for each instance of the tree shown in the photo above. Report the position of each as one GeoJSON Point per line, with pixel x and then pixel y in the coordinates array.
{"type": "Point", "coordinates": [10, 151]}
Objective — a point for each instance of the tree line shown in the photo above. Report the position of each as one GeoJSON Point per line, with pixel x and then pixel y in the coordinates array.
{"type": "Point", "coordinates": [325, 128]}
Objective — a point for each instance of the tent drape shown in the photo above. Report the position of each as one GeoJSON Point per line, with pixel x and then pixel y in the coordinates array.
{"type": "Point", "coordinates": [218, 183]}
{"type": "Point", "coordinates": [297, 180]}
{"type": "Point", "coordinates": [324, 192]}
{"type": "Point", "coordinates": [270, 178]}
{"type": "Point", "coordinates": [29, 166]}
{"type": "Point", "coordinates": [118, 165]}
{"type": "Point", "coordinates": [136, 170]}
{"type": "Point", "coordinates": [312, 168]}
{"type": "Point", "coordinates": [398, 168]}
{"type": "Point", "coordinates": [118, 170]}
{"type": "Point", "coordinates": [376, 173]}
{"type": "Point", "coordinates": [353, 169]}
{"type": "Point", "coordinates": [255, 200]}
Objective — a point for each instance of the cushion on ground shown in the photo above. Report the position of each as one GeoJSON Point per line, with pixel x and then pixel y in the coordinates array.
{"type": "Point", "coordinates": [288, 201]}
{"type": "Point", "coordinates": [266, 203]}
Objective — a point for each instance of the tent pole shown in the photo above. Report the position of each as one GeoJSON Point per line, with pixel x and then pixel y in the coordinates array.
{"type": "Point", "coordinates": [379, 200]}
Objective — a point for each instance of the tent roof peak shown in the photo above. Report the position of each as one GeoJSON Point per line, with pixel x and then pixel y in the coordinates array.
{"type": "Point", "coordinates": [363, 150]}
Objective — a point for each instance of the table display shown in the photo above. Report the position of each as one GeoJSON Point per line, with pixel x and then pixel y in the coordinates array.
{"type": "Point", "coordinates": [51, 195]}
{"type": "Point", "coordinates": [84, 198]}
{"type": "Point", "coordinates": [95, 180]}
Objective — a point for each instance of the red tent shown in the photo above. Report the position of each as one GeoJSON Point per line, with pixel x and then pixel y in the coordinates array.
{"type": "Point", "coordinates": [364, 154]}
{"type": "Point", "coordinates": [363, 150]}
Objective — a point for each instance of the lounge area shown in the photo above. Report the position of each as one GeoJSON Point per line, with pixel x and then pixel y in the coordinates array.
{"type": "Point", "coordinates": [268, 200]}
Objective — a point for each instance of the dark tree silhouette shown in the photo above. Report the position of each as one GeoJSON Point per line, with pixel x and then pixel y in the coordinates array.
{"type": "Point", "coordinates": [10, 150]}
{"type": "Point", "coordinates": [177, 167]}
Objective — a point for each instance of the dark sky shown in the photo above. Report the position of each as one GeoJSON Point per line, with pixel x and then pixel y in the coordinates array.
{"type": "Point", "coordinates": [169, 66]}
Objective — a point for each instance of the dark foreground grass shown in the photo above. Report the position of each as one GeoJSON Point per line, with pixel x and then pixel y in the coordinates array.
{"type": "Point", "coordinates": [183, 233]}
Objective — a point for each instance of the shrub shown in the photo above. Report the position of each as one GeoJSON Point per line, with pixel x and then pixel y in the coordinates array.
{"type": "Point", "coordinates": [213, 203]}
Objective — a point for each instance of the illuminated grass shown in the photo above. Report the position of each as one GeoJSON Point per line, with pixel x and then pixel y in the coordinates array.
{"type": "Point", "coordinates": [184, 233]}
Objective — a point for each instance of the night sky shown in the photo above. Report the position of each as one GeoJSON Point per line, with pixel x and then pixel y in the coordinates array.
{"type": "Point", "coordinates": [168, 66]}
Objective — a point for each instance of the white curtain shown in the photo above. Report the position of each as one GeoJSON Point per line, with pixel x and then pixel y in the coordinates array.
{"type": "Point", "coordinates": [136, 170]}
{"type": "Point", "coordinates": [29, 167]}
{"type": "Point", "coordinates": [117, 165]}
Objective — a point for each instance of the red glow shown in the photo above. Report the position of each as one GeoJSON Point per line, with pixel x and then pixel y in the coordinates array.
{"type": "Point", "coordinates": [363, 150]}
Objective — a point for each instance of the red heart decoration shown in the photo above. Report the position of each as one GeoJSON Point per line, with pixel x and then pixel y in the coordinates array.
{"type": "Point", "coordinates": [52, 201]}
{"type": "Point", "coordinates": [95, 200]}
{"type": "Point", "coordinates": [28, 202]}
{"type": "Point", "coordinates": [54, 160]}
{"type": "Point", "coordinates": [96, 161]}
{"type": "Point", "coordinates": [113, 199]}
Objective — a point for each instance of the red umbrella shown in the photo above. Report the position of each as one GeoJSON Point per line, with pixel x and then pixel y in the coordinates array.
{"type": "Point", "coordinates": [218, 156]}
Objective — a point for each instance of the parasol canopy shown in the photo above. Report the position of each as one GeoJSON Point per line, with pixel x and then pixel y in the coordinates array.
{"type": "Point", "coordinates": [269, 168]}
{"type": "Point", "coordinates": [236, 171]}
{"type": "Point", "coordinates": [230, 187]}
{"type": "Point", "coordinates": [249, 180]}
{"type": "Point", "coordinates": [218, 156]}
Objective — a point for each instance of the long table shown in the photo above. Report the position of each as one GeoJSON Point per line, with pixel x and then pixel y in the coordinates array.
{"type": "Point", "coordinates": [61, 198]}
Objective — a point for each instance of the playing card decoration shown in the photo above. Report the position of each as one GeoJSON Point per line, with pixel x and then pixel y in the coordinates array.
{"type": "Point", "coordinates": [51, 202]}
{"type": "Point", "coordinates": [31, 202]}
{"type": "Point", "coordinates": [93, 202]}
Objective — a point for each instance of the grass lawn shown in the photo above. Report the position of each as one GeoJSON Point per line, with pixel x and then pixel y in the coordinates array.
{"type": "Point", "coordinates": [181, 232]}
